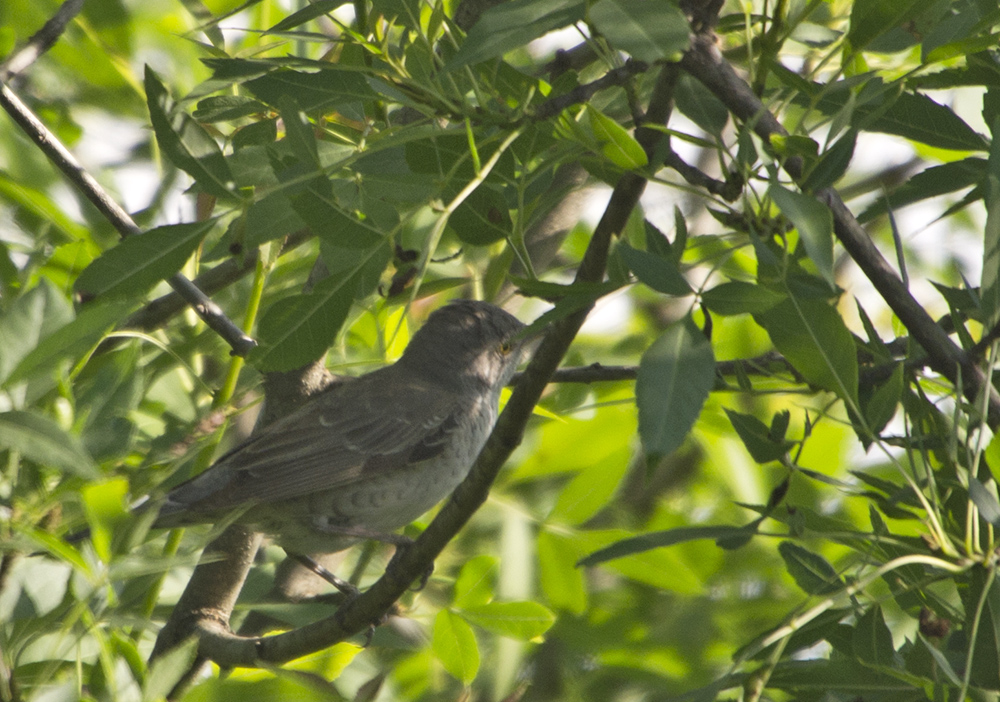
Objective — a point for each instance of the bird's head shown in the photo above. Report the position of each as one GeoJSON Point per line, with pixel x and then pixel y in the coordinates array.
{"type": "Point", "coordinates": [467, 340]}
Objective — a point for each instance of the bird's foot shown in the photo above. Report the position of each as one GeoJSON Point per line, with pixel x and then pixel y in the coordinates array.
{"type": "Point", "coordinates": [402, 545]}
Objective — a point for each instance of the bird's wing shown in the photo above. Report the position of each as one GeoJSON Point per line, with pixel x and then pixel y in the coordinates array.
{"type": "Point", "coordinates": [347, 434]}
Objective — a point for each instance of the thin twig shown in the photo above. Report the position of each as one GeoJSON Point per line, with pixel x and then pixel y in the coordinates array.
{"type": "Point", "coordinates": [59, 155]}
{"type": "Point", "coordinates": [704, 62]}
{"type": "Point", "coordinates": [41, 41]}
{"type": "Point", "coordinates": [582, 93]}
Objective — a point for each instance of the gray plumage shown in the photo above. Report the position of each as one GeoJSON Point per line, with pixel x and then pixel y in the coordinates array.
{"type": "Point", "coordinates": [370, 454]}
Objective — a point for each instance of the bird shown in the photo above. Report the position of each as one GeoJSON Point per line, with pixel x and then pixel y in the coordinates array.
{"type": "Point", "coordinates": [370, 455]}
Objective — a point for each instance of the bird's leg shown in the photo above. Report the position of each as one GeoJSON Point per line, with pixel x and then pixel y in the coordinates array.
{"type": "Point", "coordinates": [349, 590]}
{"type": "Point", "coordinates": [400, 541]}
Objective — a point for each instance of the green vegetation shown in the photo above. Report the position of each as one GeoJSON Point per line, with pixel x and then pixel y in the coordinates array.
{"type": "Point", "coordinates": [779, 483]}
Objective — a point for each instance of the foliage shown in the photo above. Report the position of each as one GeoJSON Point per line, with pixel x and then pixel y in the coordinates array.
{"type": "Point", "coordinates": [792, 493]}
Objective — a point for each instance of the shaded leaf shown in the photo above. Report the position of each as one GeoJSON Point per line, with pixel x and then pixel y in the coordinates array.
{"type": "Point", "coordinates": [649, 31]}
{"type": "Point", "coordinates": [41, 440]}
{"type": "Point", "coordinates": [333, 88]}
{"type": "Point", "coordinates": [659, 539]}
{"type": "Point", "coordinates": [813, 338]}
{"type": "Point", "coordinates": [510, 25]}
{"type": "Point", "coordinates": [676, 373]}
{"type": "Point", "coordinates": [814, 222]}
{"type": "Point", "coordinates": [985, 501]}
{"type": "Point", "coordinates": [990, 289]}
{"type": "Point", "coordinates": [73, 339]}
{"type": "Point", "coordinates": [832, 164]}
{"type": "Point", "coordinates": [872, 640]}
{"type": "Point", "coordinates": [588, 492]}
{"type": "Point", "coordinates": [656, 272]}
{"type": "Point", "coordinates": [872, 18]}
{"type": "Point", "coordinates": [185, 142]}
{"type": "Point", "coordinates": [930, 182]}
{"type": "Point", "coordinates": [138, 262]}
{"type": "Point", "coordinates": [299, 329]}
{"type": "Point", "coordinates": [738, 297]}
{"type": "Point", "coordinates": [811, 572]}
{"type": "Point", "coordinates": [756, 437]}
{"type": "Point", "coordinates": [26, 319]}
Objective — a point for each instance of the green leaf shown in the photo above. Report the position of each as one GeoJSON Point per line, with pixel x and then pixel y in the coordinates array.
{"type": "Point", "coordinates": [738, 297]}
{"type": "Point", "coordinates": [813, 337]}
{"type": "Point", "coordinates": [104, 505]}
{"type": "Point", "coordinates": [166, 670]}
{"type": "Point", "coordinates": [846, 675]}
{"type": "Point", "coordinates": [918, 117]}
{"type": "Point", "coordinates": [990, 291]}
{"type": "Point", "coordinates": [38, 203]}
{"type": "Point", "coordinates": [454, 644]}
{"type": "Point", "coordinates": [271, 218]}
{"type": "Point", "coordinates": [299, 329]}
{"type": "Point", "coordinates": [699, 104]}
{"type": "Point", "coordinates": [43, 441]}
{"type": "Point", "coordinates": [138, 262]}
{"type": "Point", "coordinates": [649, 31]}
{"type": "Point", "coordinates": [511, 25]}
{"type": "Point", "coordinates": [309, 12]}
{"type": "Point", "coordinates": [483, 217]}
{"type": "Point", "coordinates": [185, 142]}
{"type": "Point", "coordinates": [518, 620]}
{"type": "Point", "coordinates": [656, 272]}
{"type": "Point", "coordinates": [614, 141]}
{"type": "Point", "coordinates": [872, 640]}
{"type": "Point", "coordinates": [72, 340]}
{"type": "Point", "coordinates": [675, 376]}
{"type": "Point", "coordinates": [562, 582]}
{"type": "Point", "coordinates": [224, 108]}
{"type": "Point", "coordinates": [872, 18]}
{"type": "Point", "coordinates": [814, 222]}
{"type": "Point", "coordinates": [832, 164]}
{"type": "Point", "coordinates": [811, 572]}
{"type": "Point", "coordinates": [474, 584]}
{"type": "Point", "coordinates": [881, 404]}
{"type": "Point", "coordinates": [26, 319]}
{"type": "Point", "coordinates": [332, 88]}
{"type": "Point", "coordinates": [756, 437]}
{"type": "Point", "coordinates": [940, 660]}
{"type": "Point", "coordinates": [982, 599]}
{"type": "Point", "coordinates": [588, 492]}
{"type": "Point", "coordinates": [930, 182]}
{"type": "Point", "coordinates": [985, 501]}
{"type": "Point", "coordinates": [659, 539]}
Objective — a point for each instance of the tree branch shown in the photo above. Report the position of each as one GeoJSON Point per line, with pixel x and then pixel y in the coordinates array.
{"type": "Point", "coordinates": [59, 155]}
{"type": "Point", "coordinates": [41, 41]}
{"type": "Point", "coordinates": [582, 93]}
{"type": "Point", "coordinates": [231, 650]}
{"type": "Point", "coordinates": [705, 63]}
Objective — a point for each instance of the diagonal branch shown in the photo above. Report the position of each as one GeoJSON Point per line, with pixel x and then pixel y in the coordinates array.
{"type": "Point", "coordinates": [229, 649]}
{"type": "Point", "coordinates": [41, 41]}
{"type": "Point", "coordinates": [704, 62]}
{"type": "Point", "coordinates": [59, 155]}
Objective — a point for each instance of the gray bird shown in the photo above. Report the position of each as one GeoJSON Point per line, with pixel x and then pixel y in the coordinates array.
{"type": "Point", "coordinates": [369, 455]}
